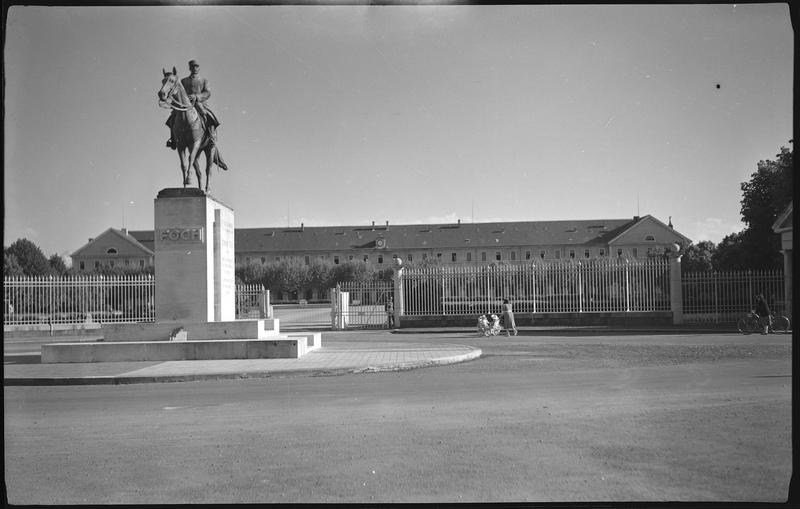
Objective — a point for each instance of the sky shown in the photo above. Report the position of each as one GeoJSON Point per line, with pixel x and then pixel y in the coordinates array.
{"type": "Point", "coordinates": [344, 115]}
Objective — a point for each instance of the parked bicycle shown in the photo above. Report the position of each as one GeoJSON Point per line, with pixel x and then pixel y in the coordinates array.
{"type": "Point", "coordinates": [751, 323]}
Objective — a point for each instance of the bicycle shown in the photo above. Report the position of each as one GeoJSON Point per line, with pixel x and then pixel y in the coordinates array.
{"type": "Point", "coordinates": [751, 323]}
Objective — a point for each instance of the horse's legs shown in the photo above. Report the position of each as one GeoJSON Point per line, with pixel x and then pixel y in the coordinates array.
{"type": "Point", "coordinates": [184, 167]}
{"type": "Point", "coordinates": [209, 163]}
{"type": "Point", "coordinates": [198, 173]}
{"type": "Point", "coordinates": [193, 159]}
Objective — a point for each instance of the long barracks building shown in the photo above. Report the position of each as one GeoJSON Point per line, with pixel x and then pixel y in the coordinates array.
{"type": "Point", "coordinates": [459, 242]}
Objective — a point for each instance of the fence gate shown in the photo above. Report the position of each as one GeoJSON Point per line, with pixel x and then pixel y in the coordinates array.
{"type": "Point", "coordinates": [361, 304]}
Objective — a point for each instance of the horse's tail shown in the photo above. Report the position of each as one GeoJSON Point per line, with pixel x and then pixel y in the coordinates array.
{"type": "Point", "coordinates": [218, 159]}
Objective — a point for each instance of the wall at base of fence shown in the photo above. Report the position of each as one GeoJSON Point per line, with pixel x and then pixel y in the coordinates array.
{"type": "Point", "coordinates": [59, 329]}
{"type": "Point", "coordinates": [656, 318]}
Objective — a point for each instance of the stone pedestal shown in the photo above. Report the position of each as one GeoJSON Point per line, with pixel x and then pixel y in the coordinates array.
{"type": "Point", "coordinates": [195, 297]}
{"type": "Point", "coordinates": [194, 258]}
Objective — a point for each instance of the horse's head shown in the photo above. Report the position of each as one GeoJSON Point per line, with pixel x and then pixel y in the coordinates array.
{"type": "Point", "coordinates": [169, 84]}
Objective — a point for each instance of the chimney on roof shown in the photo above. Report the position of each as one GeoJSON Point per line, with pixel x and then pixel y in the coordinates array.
{"type": "Point", "coordinates": [373, 226]}
{"type": "Point", "coordinates": [302, 227]}
{"type": "Point", "coordinates": [670, 222]}
{"type": "Point", "coordinates": [91, 239]}
{"type": "Point", "coordinates": [124, 231]}
{"type": "Point", "coordinates": [387, 224]}
{"type": "Point", "coordinates": [635, 218]}
{"type": "Point", "coordinates": [459, 221]}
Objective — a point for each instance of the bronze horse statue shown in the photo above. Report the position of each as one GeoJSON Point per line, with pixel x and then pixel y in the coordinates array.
{"type": "Point", "coordinates": [188, 130]}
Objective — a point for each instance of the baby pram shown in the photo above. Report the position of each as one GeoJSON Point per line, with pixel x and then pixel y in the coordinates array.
{"type": "Point", "coordinates": [489, 328]}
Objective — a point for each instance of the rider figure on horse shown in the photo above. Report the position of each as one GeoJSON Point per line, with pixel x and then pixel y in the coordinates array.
{"type": "Point", "coordinates": [197, 88]}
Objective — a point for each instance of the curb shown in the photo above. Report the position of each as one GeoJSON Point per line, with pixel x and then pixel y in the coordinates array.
{"type": "Point", "coordinates": [474, 353]}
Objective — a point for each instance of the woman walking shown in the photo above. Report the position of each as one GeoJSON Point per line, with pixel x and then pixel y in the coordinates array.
{"type": "Point", "coordinates": [508, 318]}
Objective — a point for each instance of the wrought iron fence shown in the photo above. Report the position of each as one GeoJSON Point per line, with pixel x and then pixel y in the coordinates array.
{"type": "Point", "coordinates": [77, 299]}
{"type": "Point", "coordinates": [252, 302]}
{"type": "Point", "coordinates": [104, 299]}
{"type": "Point", "coordinates": [577, 287]}
{"type": "Point", "coordinates": [726, 296]}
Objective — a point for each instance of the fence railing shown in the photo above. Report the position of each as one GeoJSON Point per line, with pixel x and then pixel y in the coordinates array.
{"type": "Point", "coordinates": [566, 287]}
{"type": "Point", "coordinates": [34, 300]}
{"type": "Point", "coordinates": [726, 296]}
{"type": "Point", "coordinates": [252, 301]}
{"type": "Point", "coordinates": [103, 299]}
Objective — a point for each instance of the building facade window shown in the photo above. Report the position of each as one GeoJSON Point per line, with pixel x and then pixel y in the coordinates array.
{"type": "Point", "coordinates": [111, 250]}
{"type": "Point", "coordinates": [602, 251]}
{"type": "Point", "coordinates": [263, 260]}
{"type": "Point", "coordinates": [366, 258]}
{"type": "Point", "coordinates": [649, 238]}
{"type": "Point", "coordinates": [380, 258]}
{"type": "Point", "coordinates": [572, 254]}
{"type": "Point", "coordinates": [127, 262]}
{"type": "Point", "coordinates": [469, 256]}
{"type": "Point", "coordinates": [636, 252]}
{"type": "Point", "coordinates": [350, 258]}
{"type": "Point", "coordinates": [483, 256]}
{"type": "Point", "coordinates": [410, 258]}
{"type": "Point", "coordinates": [336, 260]}
{"type": "Point", "coordinates": [527, 255]}
{"type": "Point", "coordinates": [498, 255]}
{"type": "Point", "coordinates": [141, 263]}
{"type": "Point", "coordinates": [558, 254]}
{"type": "Point", "coordinates": [453, 257]}
{"type": "Point", "coordinates": [424, 256]}
{"type": "Point", "coordinates": [97, 264]}
{"type": "Point", "coordinates": [513, 256]}
{"type": "Point", "coordinates": [307, 260]}
{"type": "Point", "coordinates": [542, 254]}
{"type": "Point", "coordinates": [586, 253]}
{"type": "Point", "coordinates": [619, 253]}
{"type": "Point", "coordinates": [83, 265]}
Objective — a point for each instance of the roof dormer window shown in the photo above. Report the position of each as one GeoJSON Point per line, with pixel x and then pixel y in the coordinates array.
{"type": "Point", "coordinates": [649, 238]}
{"type": "Point", "coordinates": [111, 250]}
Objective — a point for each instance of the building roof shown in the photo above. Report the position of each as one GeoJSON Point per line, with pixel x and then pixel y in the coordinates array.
{"type": "Point", "coordinates": [123, 241]}
{"type": "Point", "coordinates": [784, 221]}
{"type": "Point", "coordinates": [439, 236]}
{"type": "Point", "coordinates": [588, 232]}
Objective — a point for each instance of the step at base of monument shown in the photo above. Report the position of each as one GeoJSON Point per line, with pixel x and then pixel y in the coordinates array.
{"type": "Point", "coordinates": [291, 346]}
{"type": "Point", "coordinates": [164, 331]}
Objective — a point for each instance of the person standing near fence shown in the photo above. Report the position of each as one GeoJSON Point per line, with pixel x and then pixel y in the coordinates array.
{"type": "Point", "coordinates": [390, 312]}
{"type": "Point", "coordinates": [763, 312]}
{"type": "Point", "coordinates": [508, 318]}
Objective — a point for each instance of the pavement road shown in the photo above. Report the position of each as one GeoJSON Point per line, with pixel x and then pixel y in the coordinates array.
{"type": "Point", "coordinates": [671, 417]}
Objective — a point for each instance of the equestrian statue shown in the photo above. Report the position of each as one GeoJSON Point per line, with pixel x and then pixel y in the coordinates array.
{"type": "Point", "coordinates": [192, 124]}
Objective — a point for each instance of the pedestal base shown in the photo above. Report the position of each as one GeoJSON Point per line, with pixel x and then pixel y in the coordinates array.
{"type": "Point", "coordinates": [240, 339]}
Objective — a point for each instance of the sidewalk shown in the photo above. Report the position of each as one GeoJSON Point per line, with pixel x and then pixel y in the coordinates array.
{"type": "Point", "coordinates": [342, 352]}
{"type": "Point", "coordinates": [335, 358]}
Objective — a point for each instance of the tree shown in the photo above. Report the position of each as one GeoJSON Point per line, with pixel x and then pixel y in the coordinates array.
{"type": "Point", "coordinates": [29, 257]}
{"type": "Point", "coordinates": [699, 257]}
{"type": "Point", "coordinates": [57, 265]}
{"type": "Point", "coordinates": [11, 266]}
{"type": "Point", "coordinates": [764, 197]}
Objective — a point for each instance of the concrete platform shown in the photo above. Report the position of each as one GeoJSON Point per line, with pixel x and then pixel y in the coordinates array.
{"type": "Point", "coordinates": [334, 359]}
{"type": "Point", "coordinates": [202, 331]}
{"type": "Point", "coordinates": [127, 351]}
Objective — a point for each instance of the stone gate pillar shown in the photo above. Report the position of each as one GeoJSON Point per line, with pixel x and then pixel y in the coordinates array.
{"type": "Point", "coordinates": [398, 291]}
{"type": "Point", "coordinates": [675, 287]}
